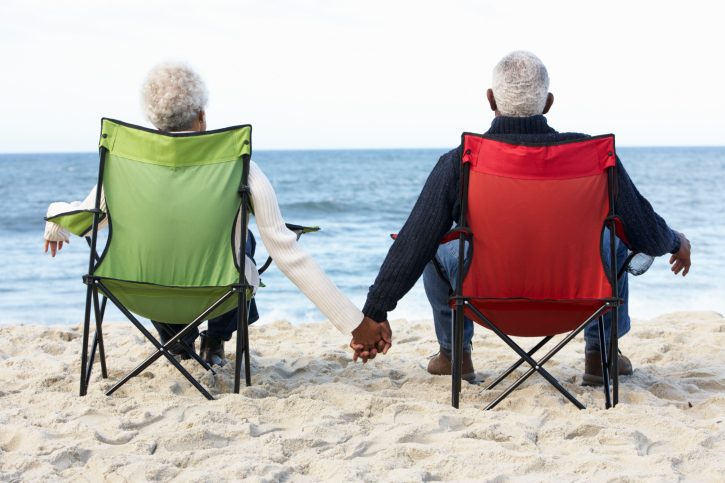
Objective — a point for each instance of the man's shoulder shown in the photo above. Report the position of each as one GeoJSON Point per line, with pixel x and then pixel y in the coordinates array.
{"type": "Point", "coordinates": [451, 157]}
{"type": "Point", "coordinates": [554, 137]}
{"type": "Point", "coordinates": [573, 135]}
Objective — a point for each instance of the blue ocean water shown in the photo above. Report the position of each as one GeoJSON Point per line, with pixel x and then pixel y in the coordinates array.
{"type": "Point", "coordinates": [358, 197]}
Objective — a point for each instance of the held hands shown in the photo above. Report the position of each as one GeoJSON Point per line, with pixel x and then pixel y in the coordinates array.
{"type": "Point", "coordinates": [681, 259]}
{"type": "Point", "coordinates": [54, 246]}
{"type": "Point", "coordinates": [371, 338]}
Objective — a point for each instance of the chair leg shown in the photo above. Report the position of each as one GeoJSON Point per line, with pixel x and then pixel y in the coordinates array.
{"type": "Point", "coordinates": [457, 356]}
{"type": "Point", "coordinates": [242, 344]}
{"type": "Point", "coordinates": [91, 359]}
{"type": "Point", "coordinates": [245, 329]}
{"type": "Point", "coordinates": [605, 363]}
{"type": "Point", "coordinates": [454, 390]}
{"type": "Point", "coordinates": [614, 355]}
{"type": "Point", "coordinates": [97, 343]}
{"type": "Point", "coordinates": [84, 348]}
{"type": "Point", "coordinates": [100, 311]}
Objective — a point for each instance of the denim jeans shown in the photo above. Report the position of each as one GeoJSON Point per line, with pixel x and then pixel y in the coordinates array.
{"type": "Point", "coordinates": [221, 327]}
{"type": "Point", "coordinates": [591, 332]}
{"type": "Point", "coordinates": [437, 293]}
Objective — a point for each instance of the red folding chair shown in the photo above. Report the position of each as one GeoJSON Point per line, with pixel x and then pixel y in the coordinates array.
{"type": "Point", "coordinates": [534, 216]}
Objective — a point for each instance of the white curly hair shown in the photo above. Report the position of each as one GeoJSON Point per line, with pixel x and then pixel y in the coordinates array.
{"type": "Point", "coordinates": [172, 96]}
{"type": "Point", "coordinates": [520, 85]}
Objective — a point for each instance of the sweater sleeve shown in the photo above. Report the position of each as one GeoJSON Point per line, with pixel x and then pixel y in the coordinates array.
{"type": "Point", "coordinates": [437, 207]}
{"type": "Point", "coordinates": [646, 231]}
{"type": "Point", "coordinates": [55, 232]}
{"type": "Point", "coordinates": [294, 262]}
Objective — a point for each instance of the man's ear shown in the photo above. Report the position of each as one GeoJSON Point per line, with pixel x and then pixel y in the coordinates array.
{"type": "Point", "coordinates": [491, 99]}
{"type": "Point", "coordinates": [201, 116]}
{"type": "Point", "coordinates": [549, 102]}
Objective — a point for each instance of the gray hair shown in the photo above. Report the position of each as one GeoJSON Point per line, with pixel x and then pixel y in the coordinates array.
{"type": "Point", "coordinates": [520, 85]}
{"type": "Point", "coordinates": [172, 96]}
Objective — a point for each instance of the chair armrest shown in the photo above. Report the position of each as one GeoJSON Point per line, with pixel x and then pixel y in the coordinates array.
{"type": "Point", "coordinates": [77, 222]}
{"type": "Point", "coordinates": [299, 230]}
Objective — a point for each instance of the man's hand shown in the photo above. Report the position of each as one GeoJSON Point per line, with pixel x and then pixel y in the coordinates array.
{"type": "Point", "coordinates": [370, 338]}
{"type": "Point", "coordinates": [681, 259]}
{"type": "Point", "coordinates": [54, 246]}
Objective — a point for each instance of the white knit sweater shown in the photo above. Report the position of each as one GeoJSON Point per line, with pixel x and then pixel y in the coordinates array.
{"type": "Point", "coordinates": [280, 242]}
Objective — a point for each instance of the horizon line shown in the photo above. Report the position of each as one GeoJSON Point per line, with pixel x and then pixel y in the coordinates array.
{"type": "Point", "coordinates": [366, 149]}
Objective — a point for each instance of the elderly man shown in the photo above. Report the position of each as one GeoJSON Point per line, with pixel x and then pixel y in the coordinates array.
{"type": "Point", "coordinates": [519, 97]}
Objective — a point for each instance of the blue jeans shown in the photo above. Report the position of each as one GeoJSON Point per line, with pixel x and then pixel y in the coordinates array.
{"type": "Point", "coordinates": [437, 293]}
{"type": "Point", "coordinates": [221, 327]}
{"type": "Point", "coordinates": [591, 332]}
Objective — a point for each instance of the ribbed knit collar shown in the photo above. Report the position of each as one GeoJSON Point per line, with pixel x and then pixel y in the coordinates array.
{"type": "Point", "coordinates": [520, 125]}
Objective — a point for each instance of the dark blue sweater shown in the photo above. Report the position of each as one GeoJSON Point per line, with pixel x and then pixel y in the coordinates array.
{"type": "Point", "coordinates": [438, 207]}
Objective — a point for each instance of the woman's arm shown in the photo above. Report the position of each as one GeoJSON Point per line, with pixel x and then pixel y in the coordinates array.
{"type": "Point", "coordinates": [56, 235]}
{"type": "Point", "coordinates": [296, 263]}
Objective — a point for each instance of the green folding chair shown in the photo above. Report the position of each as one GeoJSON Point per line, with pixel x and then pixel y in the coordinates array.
{"type": "Point", "coordinates": [172, 205]}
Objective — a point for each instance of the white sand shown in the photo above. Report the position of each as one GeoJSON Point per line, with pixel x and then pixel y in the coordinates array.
{"type": "Point", "coordinates": [312, 415]}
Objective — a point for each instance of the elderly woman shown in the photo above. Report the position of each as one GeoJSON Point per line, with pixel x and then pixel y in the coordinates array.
{"type": "Point", "coordinates": [174, 99]}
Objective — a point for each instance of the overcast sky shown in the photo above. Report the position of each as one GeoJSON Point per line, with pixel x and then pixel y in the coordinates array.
{"type": "Point", "coordinates": [367, 74]}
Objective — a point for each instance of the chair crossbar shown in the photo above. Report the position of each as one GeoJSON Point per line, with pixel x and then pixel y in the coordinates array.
{"type": "Point", "coordinates": [519, 362]}
{"type": "Point", "coordinates": [97, 344]}
{"type": "Point", "coordinates": [536, 366]}
{"type": "Point", "coordinates": [162, 350]}
{"type": "Point", "coordinates": [100, 311]}
{"type": "Point", "coordinates": [189, 350]}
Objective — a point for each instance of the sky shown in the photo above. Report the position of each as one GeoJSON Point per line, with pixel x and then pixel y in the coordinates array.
{"type": "Point", "coordinates": [372, 74]}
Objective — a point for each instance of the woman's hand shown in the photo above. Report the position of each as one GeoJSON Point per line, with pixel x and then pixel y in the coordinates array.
{"type": "Point", "coordinates": [54, 246]}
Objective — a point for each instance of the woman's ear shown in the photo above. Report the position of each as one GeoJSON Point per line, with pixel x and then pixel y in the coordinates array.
{"type": "Point", "coordinates": [549, 102]}
{"type": "Point", "coordinates": [201, 119]}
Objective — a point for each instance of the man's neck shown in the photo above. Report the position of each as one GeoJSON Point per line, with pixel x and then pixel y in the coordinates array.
{"type": "Point", "coordinates": [520, 125]}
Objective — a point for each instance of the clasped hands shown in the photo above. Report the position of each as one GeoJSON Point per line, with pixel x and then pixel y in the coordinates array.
{"type": "Point", "coordinates": [371, 338]}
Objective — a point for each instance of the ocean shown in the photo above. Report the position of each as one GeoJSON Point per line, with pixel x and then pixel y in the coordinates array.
{"type": "Point", "coordinates": [357, 197]}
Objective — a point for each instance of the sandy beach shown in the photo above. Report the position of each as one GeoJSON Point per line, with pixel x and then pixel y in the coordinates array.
{"type": "Point", "coordinates": [313, 415]}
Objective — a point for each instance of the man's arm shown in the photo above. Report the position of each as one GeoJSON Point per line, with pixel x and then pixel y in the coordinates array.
{"type": "Point", "coordinates": [646, 231]}
{"type": "Point", "coordinates": [437, 207]}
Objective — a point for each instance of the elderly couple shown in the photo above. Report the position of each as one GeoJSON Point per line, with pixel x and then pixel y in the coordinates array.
{"type": "Point", "coordinates": [174, 98]}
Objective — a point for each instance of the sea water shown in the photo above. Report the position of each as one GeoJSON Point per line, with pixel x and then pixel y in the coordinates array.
{"type": "Point", "coordinates": [358, 198]}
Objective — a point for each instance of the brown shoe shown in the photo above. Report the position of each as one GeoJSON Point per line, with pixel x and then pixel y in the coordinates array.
{"type": "Point", "coordinates": [441, 366]}
{"type": "Point", "coordinates": [593, 369]}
